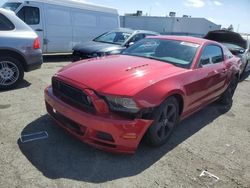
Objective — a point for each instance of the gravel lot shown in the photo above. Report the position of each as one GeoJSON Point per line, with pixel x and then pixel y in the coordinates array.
{"type": "Point", "coordinates": [213, 139]}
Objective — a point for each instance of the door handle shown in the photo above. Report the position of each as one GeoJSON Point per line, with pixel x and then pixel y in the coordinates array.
{"type": "Point", "coordinates": [38, 30]}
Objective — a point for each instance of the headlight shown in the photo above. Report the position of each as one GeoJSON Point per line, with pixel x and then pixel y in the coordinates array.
{"type": "Point", "coordinates": [122, 104]}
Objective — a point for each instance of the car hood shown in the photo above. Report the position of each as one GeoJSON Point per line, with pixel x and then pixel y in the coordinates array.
{"type": "Point", "coordinates": [92, 46]}
{"type": "Point", "coordinates": [226, 37]}
{"type": "Point", "coordinates": [118, 74]}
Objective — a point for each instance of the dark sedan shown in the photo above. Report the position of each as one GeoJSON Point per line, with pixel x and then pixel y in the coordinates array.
{"type": "Point", "coordinates": [109, 43]}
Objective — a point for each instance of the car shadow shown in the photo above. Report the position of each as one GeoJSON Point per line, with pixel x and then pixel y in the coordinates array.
{"type": "Point", "coordinates": [62, 156]}
{"type": "Point", "coordinates": [23, 84]}
{"type": "Point", "coordinates": [57, 58]}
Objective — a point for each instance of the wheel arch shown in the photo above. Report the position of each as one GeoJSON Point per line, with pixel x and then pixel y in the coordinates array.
{"type": "Point", "coordinates": [180, 102]}
{"type": "Point", "coordinates": [14, 53]}
{"type": "Point", "coordinates": [156, 94]}
{"type": "Point", "coordinates": [179, 95]}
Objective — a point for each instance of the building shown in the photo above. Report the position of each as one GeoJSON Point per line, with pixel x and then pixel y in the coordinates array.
{"type": "Point", "coordinates": [170, 25]}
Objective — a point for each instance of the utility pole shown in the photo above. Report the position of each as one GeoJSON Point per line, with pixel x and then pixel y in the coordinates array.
{"type": "Point", "coordinates": [238, 28]}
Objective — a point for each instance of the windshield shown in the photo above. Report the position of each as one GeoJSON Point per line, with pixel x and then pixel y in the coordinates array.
{"type": "Point", "coordinates": [115, 37]}
{"type": "Point", "coordinates": [11, 6]}
{"type": "Point", "coordinates": [178, 53]}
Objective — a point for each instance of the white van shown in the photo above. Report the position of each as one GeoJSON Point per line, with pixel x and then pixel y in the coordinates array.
{"type": "Point", "coordinates": [61, 24]}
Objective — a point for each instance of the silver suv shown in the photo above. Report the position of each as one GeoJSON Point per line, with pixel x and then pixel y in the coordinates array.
{"type": "Point", "coordinates": [238, 44]}
{"type": "Point", "coordinates": [19, 50]}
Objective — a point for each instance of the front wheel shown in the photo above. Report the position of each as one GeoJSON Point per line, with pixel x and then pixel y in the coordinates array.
{"type": "Point", "coordinates": [11, 72]}
{"type": "Point", "coordinates": [227, 96]}
{"type": "Point", "coordinates": [165, 119]}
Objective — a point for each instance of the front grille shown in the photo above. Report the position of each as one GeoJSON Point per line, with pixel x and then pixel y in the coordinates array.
{"type": "Point", "coordinates": [71, 95]}
{"type": "Point", "coordinates": [66, 122]}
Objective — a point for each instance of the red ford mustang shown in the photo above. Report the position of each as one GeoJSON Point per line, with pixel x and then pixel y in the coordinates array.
{"type": "Point", "coordinates": [115, 101]}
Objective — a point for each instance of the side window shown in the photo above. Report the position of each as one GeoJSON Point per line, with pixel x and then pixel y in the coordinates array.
{"type": "Point", "coordinates": [211, 54]}
{"type": "Point", "coordinates": [30, 15]}
{"type": "Point", "coordinates": [137, 37]}
{"type": "Point", "coordinates": [5, 24]}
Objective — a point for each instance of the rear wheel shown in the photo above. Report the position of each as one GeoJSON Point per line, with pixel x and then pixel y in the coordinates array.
{"type": "Point", "coordinates": [165, 119]}
{"type": "Point", "coordinates": [227, 96]}
{"type": "Point", "coordinates": [244, 70]}
{"type": "Point", "coordinates": [11, 72]}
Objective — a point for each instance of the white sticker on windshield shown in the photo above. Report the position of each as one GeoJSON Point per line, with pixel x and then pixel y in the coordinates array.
{"type": "Point", "coordinates": [190, 44]}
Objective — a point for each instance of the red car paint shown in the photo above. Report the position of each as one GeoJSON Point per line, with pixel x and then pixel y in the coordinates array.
{"type": "Point", "coordinates": [148, 82]}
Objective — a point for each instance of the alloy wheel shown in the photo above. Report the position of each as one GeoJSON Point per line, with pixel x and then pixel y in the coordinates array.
{"type": "Point", "coordinates": [9, 73]}
{"type": "Point", "coordinates": [166, 121]}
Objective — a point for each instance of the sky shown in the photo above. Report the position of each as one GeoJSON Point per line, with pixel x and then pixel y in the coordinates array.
{"type": "Point", "coordinates": [222, 12]}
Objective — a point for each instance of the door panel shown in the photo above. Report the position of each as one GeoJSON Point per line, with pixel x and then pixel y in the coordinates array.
{"type": "Point", "coordinates": [209, 80]}
{"type": "Point", "coordinates": [59, 34]}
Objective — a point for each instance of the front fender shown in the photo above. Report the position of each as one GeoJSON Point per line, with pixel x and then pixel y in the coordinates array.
{"type": "Point", "coordinates": [155, 94]}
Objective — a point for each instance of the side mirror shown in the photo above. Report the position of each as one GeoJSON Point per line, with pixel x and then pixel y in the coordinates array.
{"type": "Point", "coordinates": [204, 62]}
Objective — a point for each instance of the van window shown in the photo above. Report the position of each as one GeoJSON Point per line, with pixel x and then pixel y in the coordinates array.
{"type": "Point", "coordinates": [5, 24]}
{"type": "Point", "coordinates": [30, 15]}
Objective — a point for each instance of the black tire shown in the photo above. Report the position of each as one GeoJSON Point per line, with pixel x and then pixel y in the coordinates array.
{"type": "Point", "coordinates": [10, 66]}
{"type": "Point", "coordinates": [244, 70]}
{"type": "Point", "coordinates": [166, 117]}
{"type": "Point", "coordinates": [227, 97]}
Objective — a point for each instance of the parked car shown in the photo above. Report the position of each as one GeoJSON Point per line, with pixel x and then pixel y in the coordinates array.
{"type": "Point", "coordinates": [19, 49]}
{"type": "Point", "coordinates": [112, 42]}
{"type": "Point", "coordinates": [238, 45]}
{"type": "Point", "coordinates": [115, 101]}
{"type": "Point", "coordinates": [63, 24]}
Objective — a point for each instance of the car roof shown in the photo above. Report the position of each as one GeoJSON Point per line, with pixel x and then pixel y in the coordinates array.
{"type": "Point", "coordinates": [19, 24]}
{"type": "Point", "coordinates": [195, 40]}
